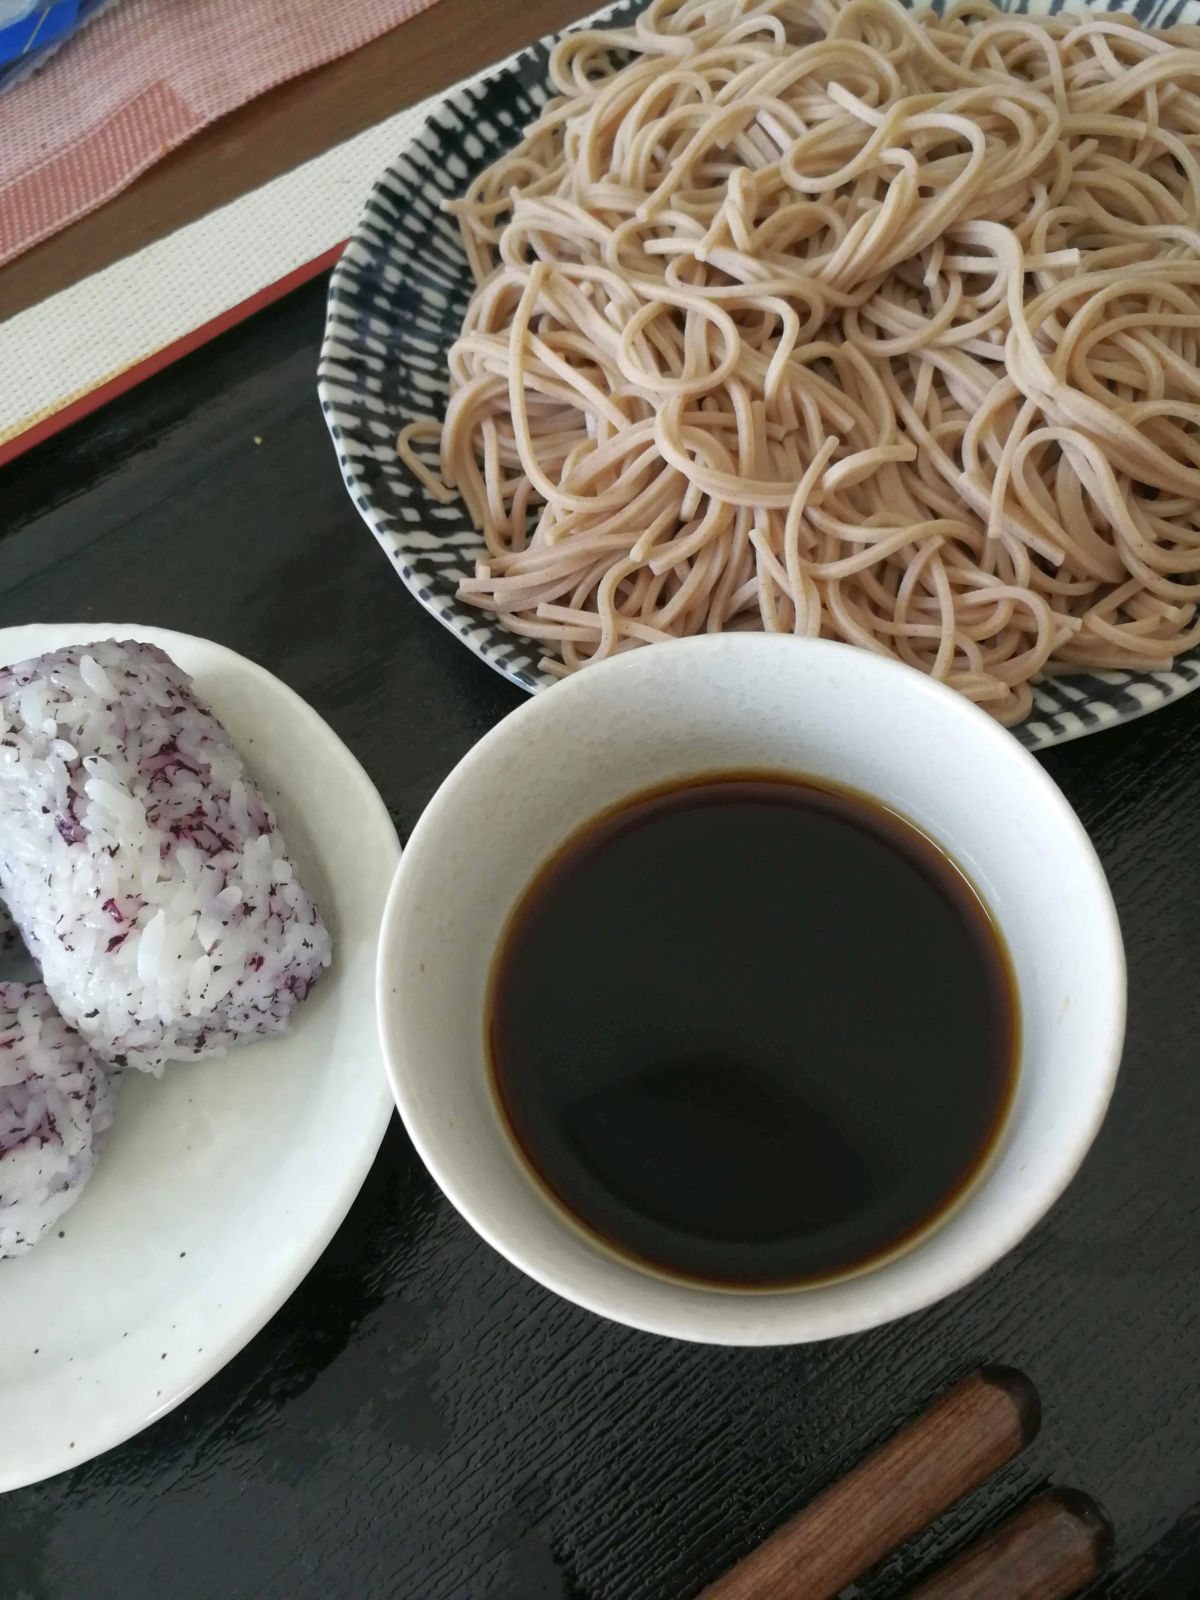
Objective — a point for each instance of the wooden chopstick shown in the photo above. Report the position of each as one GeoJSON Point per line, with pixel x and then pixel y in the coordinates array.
{"type": "Point", "coordinates": [965, 1436]}
{"type": "Point", "coordinates": [1048, 1551]}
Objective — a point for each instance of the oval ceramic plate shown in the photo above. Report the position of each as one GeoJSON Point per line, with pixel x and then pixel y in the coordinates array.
{"type": "Point", "coordinates": [222, 1183]}
{"type": "Point", "coordinates": [396, 303]}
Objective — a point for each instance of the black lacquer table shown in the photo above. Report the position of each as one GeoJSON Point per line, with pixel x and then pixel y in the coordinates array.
{"type": "Point", "coordinates": [420, 1420]}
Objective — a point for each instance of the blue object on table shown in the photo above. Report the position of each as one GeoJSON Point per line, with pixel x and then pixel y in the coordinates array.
{"type": "Point", "coordinates": [32, 30]}
{"type": "Point", "coordinates": [40, 25]}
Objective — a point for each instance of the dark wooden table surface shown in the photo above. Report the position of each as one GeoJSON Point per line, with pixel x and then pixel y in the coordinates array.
{"type": "Point", "coordinates": [421, 1421]}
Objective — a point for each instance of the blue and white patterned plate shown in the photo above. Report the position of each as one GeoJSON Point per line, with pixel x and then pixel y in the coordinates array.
{"type": "Point", "coordinates": [396, 303]}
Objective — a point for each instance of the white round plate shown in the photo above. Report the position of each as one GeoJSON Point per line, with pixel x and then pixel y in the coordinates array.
{"type": "Point", "coordinates": [222, 1183]}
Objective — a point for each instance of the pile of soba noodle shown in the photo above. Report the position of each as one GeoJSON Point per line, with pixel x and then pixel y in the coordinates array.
{"type": "Point", "coordinates": [840, 319]}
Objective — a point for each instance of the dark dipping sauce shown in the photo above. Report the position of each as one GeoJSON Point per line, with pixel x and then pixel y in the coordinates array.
{"type": "Point", "coordinates": [753, 1030]}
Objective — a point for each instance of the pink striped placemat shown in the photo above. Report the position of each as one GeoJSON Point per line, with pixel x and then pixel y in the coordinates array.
{"type": "Point", "coordinates": [145, 76]}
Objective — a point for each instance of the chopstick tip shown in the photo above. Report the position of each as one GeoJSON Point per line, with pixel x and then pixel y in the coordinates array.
{"type": "Point", "coordinates": [1021, 1390]}
{"type": "Point", "coordinates": [1092, 1515]}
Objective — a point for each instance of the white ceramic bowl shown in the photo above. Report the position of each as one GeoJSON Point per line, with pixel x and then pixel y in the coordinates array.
{"type": "Point", "coordinates": [749, 701]}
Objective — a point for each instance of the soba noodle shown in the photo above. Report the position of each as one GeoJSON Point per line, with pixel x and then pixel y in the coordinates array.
{"type": "Point", "coordinates": [829, 317]}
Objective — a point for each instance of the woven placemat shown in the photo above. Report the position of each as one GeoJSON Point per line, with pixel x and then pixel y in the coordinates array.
{"type": "Point", "coordinates": [141, 79]}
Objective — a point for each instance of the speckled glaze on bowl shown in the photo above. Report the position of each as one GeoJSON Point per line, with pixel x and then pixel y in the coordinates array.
{"type": "Point", "coordinates": [737, 701]}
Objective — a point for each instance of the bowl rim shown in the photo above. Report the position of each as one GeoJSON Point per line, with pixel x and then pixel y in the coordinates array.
{"type": "Point", "coordinates": [795, 1316]}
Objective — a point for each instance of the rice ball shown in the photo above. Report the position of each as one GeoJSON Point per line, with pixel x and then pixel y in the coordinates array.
{"type": "Point", "coordinates": [56, 1104]}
